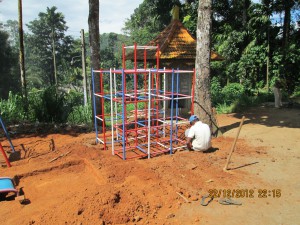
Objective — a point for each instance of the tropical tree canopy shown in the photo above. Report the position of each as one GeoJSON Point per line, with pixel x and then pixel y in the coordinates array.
{"type": "Point", "coordinates": [47, 36]}
{"type": "Point", "coordinates": [259, 42]}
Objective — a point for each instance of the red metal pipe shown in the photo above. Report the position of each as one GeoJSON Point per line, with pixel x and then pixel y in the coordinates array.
{"type": "Point", "coordinates": [152, 99]}
{"type": "Point", "coordinates": [4, 155]}
{"type": "Point", "coordinates": [125, 109]}
{"type": "Point", "coordinates": [157, 57]}
{"type": "Point", "coordinates": [157, 108]}
{"type": "Point", "coordinates": [145, 58]}
{"type": "Point", "coordinates": [135, 51]}
{"type": "Point", "coordinates": [135, 104]}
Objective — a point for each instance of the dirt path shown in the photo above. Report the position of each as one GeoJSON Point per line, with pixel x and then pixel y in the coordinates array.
{"type": "Point", "coordinates": [276, 167]}
{"type": "Point", "coordinates": [89, 186]}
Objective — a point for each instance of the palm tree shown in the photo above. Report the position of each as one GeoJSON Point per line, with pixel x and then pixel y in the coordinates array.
{"type": "Point", "coordinates": [21, 56]}
{"type": "Point", "coordinates": [54, 19]}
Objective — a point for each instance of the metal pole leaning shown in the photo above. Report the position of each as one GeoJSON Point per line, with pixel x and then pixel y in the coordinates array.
{"type": "Point", "coordinates": [4, 155]}
{"type": "Point", "coordinates": [7, 135]}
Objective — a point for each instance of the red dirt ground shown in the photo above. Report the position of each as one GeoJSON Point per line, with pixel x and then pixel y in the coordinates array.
{"type": "Point", "coordinates": [90, 186]}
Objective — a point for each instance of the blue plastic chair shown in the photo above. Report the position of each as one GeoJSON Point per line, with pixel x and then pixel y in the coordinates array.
{"type": "Point", "coordinates": [7, 185]}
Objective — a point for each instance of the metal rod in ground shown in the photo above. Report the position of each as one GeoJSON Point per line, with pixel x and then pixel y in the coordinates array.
{"type": "Point", "coordinates": [4, 155]}
{"type": "Point", "coordinates": [234, 143]}
{"type": "Point", "coordinates": [7, 135]}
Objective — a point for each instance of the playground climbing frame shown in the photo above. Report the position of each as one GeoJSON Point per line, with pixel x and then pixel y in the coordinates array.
{"type": "Point", "coordinates": [139, 114]}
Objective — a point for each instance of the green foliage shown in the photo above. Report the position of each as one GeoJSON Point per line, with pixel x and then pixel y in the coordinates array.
{"type": "Point", "coordinates": [47, 31]}
{"type": "Point", "coordinates": [244, 102]}
{"type": "Point", "coordinates": [47, 105]}
{"type": "Point", "coordinates": [52, 105]}
{"type": "Point", "coordinates": [11, 110]}
{"type": "Point", "coordinates": [129, 107]}
{"type": "Point", "coordinates": [74, 98]}
{"type": "Point", "coordinates": [111, 49]}
{"type": "Point", "coordinates": [216, 91]}
{"type": "Point", "coordinates": [191, 15]}
{"type": "Point", "coordinates": [242, 34]}
{"type": "Point", "coordinates": [149, 19]}
{"type": "Point", "coordinates": [9, 74]}
{"type": "Point", "coordinates": [296, 92]}
{"type": "Point", "coordinates": [224, 108]}
{"type": "Point", "coordinates": [12, 28]}
{"type": "Point", "coordinates": [232, 92]}
{"type": "Point", "coordinates": [286, 66]}
{"type": "Point", "coordinates": [81, 115]}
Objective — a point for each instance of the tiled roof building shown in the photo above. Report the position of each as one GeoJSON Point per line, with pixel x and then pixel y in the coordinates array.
{"type": "Point", "coordinates": [177, 47]}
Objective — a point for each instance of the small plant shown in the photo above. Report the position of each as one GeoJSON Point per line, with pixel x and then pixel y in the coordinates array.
{"type": "Point", "coordinates": [225, 108]}
{"type": "Point", "coordinates": [232, 92]}
{"type": "Point", "coordinates": [47, 105]}
{"type": "Point", "coordinates": [81, 115]}
{"type": "Point", "coordinates": [216, 91]}
{"type": "Point", "coordinates": [296, 92]}
{"type": "Point", "coordinates": [12, 109]}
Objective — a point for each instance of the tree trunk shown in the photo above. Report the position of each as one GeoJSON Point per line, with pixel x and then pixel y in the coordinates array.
{"type": "Point", "coordinates": [286, 23]}
{"type": "Point", "coordinates": [203, 106]}
{"type": "Point", "coordinates": [83, 68]}
{"type": "Point", "coordinates": [268, 4]}
{"type": "Point", "coordinates": [95, 46]}
{"type": "Point", "coordinates": [54, 58]}
{"type": "Point", "coordinates": [285, 36]}
{"type": "Point", "coordinates": [21, 57]}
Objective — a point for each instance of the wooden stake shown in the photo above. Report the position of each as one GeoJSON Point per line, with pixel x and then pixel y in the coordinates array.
{"type": "Point", "coordinates": [58, 157]}
{"type": "Point", "coordinates": [234, 143]}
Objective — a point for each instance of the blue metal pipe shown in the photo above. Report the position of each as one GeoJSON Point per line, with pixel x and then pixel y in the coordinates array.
{"type": "Point", "coordinates": [123, 116]}
{"type": "Point", "coordinates": [7, 135]}
{"type": "Point", "coordinates": [94, 104]}
{"type": "Point", "coordinates": [177, 101]}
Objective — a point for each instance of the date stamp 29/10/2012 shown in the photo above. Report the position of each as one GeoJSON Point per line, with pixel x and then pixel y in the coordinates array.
{"type": "Point", "coordinates": [244, 193]}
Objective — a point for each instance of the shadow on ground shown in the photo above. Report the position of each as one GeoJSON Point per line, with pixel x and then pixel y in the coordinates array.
{"type": "Point", "coordinates": [268, 116]}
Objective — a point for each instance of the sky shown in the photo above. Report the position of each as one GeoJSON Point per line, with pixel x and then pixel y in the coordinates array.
{"type": "Point", "coordinates": [113, 13]}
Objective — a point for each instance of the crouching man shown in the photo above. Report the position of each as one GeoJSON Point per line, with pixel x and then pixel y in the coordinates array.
{"type": "Point", "coordinates": [198, 136]}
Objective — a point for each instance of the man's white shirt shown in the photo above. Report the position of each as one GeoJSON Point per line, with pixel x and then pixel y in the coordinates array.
{"type": "Point", "coordinates": [201, 134]}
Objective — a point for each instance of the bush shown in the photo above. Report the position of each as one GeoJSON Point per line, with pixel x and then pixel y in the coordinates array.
{"type": "Point", "coordinates": [74, 98]}
{"type": "Point", "coordinates": [47, 105]}
{"type": "Point", "coordinates": [52, 105]}
{"type": "Point", "coordinates": [232, 92]}
{"type": "Point", "coordinates": [224, 108]}
{"type": "Point", "coordinates": [81, 115]}
{"type": "Point", "coordinates": [12, 109]}
{"type": "Point", "coordinates": [216, 91]}
{"type": "Point", "coordinates": [296, 92]}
